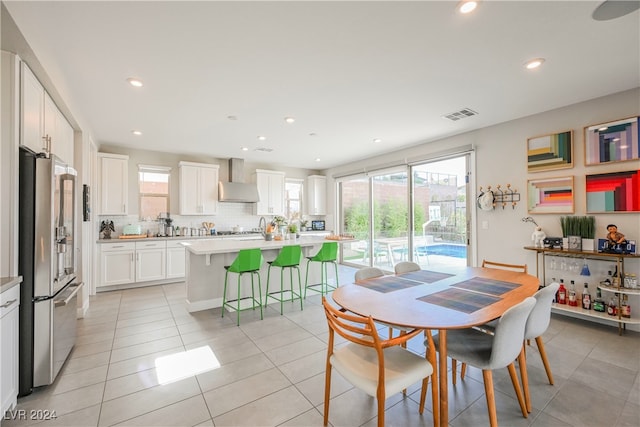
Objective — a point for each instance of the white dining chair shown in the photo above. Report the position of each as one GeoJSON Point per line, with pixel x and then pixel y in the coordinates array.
{"type": "Point", "coordinates": [489, 352]}
{"type": "Point", "coordinates": [537, 324]}
{"type": "Point", "coordinates": [366, 273]}
{"type": "Point", "coordinates": [380, 368]}
{"type": "Point", "coordinates": [406, 267]}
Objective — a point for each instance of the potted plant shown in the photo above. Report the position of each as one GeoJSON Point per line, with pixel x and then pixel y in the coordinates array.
{"type": "Point", "coordinates": [293, 230]}
{"type": "Point", "coordinates": [588, 233]}
{"type": "Point", "coordinates": [571, 237]}
{"type": "Point", "coordinates": [303, 224]}
{"type": "Point", "coordinates": [280, 223]}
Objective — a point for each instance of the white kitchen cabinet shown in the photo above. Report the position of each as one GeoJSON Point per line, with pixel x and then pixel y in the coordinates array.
{"type": "Point", "coordinates": [123, 263]}
{"type": "Point", "coordinates": [43, 127]}
{"type": "Point", "coordinates": [9, 303]}
{"type": "Point", "coordinates": [32, 111]}
{"type": "Point", "coordinates": [113, 170]}
{"type": "Point", "coordinates": [316, 195]}
{"type": "Point", "coordinates": [150, 261]}
{"type": "Point", "coordinates": [176, 257]}
{"type": "Point", "coordinates": [271, 190]}
{"type": "Point", "coordinates": [198, 188]}
{"type": "Point", "coordinates": [117, 263]}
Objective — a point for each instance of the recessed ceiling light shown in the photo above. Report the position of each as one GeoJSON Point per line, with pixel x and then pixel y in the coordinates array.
{"type": "Point", "coordinates": [616, 139]}
{"type": "Point", "coordinates": [245, 149]}
{"type": "Point", "coordinates": [262, 138]}
{"type": "Point", "coordinates": [289, 119]}
{"type": "Point", "coordinates": [136, 132]}
{"type": "Point", "coordinates": [467, 6]}
{"type": "Point", "coordinates": [232, 117]}
{"type": "Point", "coordinates": [312, 134]}
{"type": "Point", "coordinates": [534, 63]}
{"type": "Point", "coordinates": [135, 82]}
{"type": "Point", "coordinates": [317, 159]}
{"type": "Point", "coordinates": [377, 140]}
{"type": "Point", "coordinates": [602, 129]}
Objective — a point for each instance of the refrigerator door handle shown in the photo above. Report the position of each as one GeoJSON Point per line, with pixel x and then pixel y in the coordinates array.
{"type": "Point", "coordinates": [63, 302]}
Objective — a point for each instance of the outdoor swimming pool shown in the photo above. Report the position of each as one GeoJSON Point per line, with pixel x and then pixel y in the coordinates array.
{"type": "Point", "coordinates": [457, 251]}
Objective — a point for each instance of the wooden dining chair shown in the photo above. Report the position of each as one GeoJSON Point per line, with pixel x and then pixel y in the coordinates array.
{"type": "Point", "coordinates": [490, 352]}
{"type": "Point", "coordinates": [380, 368]}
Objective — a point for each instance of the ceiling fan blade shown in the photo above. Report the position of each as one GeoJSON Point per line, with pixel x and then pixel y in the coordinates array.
{"type": "Point", "coordinates": [612, 9]}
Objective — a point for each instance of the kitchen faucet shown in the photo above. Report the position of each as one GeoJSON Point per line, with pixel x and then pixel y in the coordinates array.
{"type": "Point", "coordinates": [262, 224]}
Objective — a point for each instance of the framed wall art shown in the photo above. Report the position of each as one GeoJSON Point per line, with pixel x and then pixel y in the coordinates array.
{"type": "Point", "coordinates": [615, 141]}
{"type": "Point", "coordinates": [613, 192]}
{"type": "Point", "coordinates": [548, 152]}
{"type": "Point", "coordinates": [550, 195]}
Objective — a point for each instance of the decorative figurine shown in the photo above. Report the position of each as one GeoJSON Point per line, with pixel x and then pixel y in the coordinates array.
{"type": "Point", "coordinates": [106, 227]}
{"type": "Point", "coordinates": [613, 236]}
{"type": "Point", "coordinates": [538, 237]}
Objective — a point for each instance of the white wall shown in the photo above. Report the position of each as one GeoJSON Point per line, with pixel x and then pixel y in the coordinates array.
{"type": "Point", "coordinates": [501, 159]}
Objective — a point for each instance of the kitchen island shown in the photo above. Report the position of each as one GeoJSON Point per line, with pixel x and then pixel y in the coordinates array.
{"type": "Point", "coordinates": [206, 260]}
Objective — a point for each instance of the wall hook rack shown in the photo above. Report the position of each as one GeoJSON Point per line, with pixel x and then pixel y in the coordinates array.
{"type": "Point", "coordinates": [504, 197]}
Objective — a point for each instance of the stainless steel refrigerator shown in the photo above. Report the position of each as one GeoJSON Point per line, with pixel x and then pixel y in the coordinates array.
{"type": "Point", "coordinates": [48, 304]}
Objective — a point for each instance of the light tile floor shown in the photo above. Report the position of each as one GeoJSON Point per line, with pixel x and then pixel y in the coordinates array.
{"type": "Point", "coordinates": [271, 373]}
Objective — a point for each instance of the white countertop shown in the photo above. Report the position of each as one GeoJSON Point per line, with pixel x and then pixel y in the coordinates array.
{"type": "Point", "coordinates": [207, 247]}
{"type": "Point", "coordinates": [7, 283]}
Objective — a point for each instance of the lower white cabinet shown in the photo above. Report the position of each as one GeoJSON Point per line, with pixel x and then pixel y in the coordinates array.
{"type": "Point", "coordinates": [9, 303]}
{"type": "Point", "coordinates": [117, 263]}
{"type": "Point", "coordinates": [122, 263]}
{"type": "Point", "coordinates": [150, 261]}
{"type": "Point", "coordinates": [176, 257]}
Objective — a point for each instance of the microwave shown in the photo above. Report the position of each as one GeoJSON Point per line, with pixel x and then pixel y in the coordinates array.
{"type": "Point", "coordinates": [317, 225]}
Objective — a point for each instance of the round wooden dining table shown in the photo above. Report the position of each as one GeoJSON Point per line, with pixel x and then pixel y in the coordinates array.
{"type": "Point", "coordinates": [438, 299]}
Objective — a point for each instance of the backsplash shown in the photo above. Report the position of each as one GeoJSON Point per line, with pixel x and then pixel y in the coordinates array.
{"type": "Point", "coordinates": [229, 215]}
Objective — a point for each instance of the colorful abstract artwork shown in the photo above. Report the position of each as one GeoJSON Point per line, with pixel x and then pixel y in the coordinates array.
{"type": "Point", "coordinates": [550, 195]}
{"type": "Point", "coordinates": [613, 192]}
{"type": "Point", "coordinates": [549, 152]}
{"type": "Point", "coordinates": [616, 141]}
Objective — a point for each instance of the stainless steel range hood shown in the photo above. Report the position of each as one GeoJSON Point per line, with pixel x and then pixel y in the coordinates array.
{"type": "Point", "coordinates": [236, 190]}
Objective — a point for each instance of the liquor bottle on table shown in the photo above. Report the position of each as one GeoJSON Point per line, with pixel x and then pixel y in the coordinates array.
{"type": "Point", "coordinates": [599, 304]}
{"type": "Point", "coordinates": [573, 295]}
{"type": "Point", "coordinates": [562, 293]}
{"type": "Point", "coordinates": [586, 297]}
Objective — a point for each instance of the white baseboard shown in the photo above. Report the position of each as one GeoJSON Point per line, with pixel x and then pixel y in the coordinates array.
{"type": "Point", "coordinates": [203, 305]}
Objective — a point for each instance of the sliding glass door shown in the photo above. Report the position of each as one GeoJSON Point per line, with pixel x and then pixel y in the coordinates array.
{"type": "Point", "coordinates": [410, 213]}
{"type": "Point", "coordinates": [440, 193]}
{"type": "Point", "coordinates": [390, 219]}
{"type": "Point", "coordinates": [355, 212]}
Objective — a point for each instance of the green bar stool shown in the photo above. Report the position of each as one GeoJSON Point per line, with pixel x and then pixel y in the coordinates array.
{"type": "Point", "coordinates": [328, 254]}
{"type": "Point", "coordinates": [289, 257]}
{"type": "Point", "coordinates": [247, 261]}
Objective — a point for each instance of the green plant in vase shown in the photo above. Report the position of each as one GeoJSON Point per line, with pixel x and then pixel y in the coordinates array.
{"type": "Point", "coordinates": [293, 230]}
{"type": "Point", "coordinates": [588, 233]}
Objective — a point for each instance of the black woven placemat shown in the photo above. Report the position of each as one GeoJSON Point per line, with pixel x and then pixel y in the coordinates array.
{"type": "Point", "coordinates": [426, 276]}
{"type": "Point", "coordinates": [388, 283]}
{"type": "Point", "coordinates": [487, 286]}
{"type": "Point", "coordinates": [460, 300]}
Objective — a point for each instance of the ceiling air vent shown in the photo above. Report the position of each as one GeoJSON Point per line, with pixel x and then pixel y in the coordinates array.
{"type": "Point", "coordinates": [461, 114]}
{"type": "Point", "coordinates": [264, 149]}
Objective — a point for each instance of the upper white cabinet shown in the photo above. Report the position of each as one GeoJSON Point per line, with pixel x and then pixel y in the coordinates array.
{"type": "Point", "coordinates": [198, 188]}
{"type": "Point", "coordinates": [43, 127]}
{"type": "Point", "coordinates": [316, 195]}
{"type": "Point", "coordinates": [271, 190]}
{"type": "Point", "coordinates": [113, 170]}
